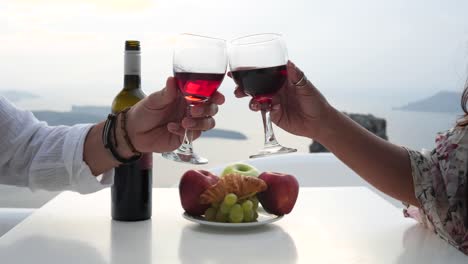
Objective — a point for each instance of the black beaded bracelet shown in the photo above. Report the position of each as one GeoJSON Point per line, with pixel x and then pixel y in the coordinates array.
{"type": "Point", "coordinates": [107, 133]}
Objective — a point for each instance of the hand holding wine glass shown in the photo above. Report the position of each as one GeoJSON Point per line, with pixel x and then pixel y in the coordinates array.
{"type": "Point", "coordinates": [298, 109]}
{"type": "Point", "coordinates": [199, 66]}
{"type": "Point", "coordinates": [258, 66]}
{"type": "Point", "coordinates": [158, 122]}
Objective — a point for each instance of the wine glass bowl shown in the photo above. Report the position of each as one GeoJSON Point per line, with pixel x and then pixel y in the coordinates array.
{"type": "Point", "coordinates": [261, 83]}
{"type": "Point", "coordinates": [258, 67]}
{"type": "Point", "coordinates": [199, 65]}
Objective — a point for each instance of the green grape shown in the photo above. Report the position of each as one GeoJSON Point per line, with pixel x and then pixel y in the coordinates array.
{"type": "Point", "coordinates": [249, 216]}
{"type": "Point", "coordinates": [255, 215]}
{"type": "Point", "coordinates": [236, 215]}
{"type": "Point", "coordinates": [225, 208]}
{"type": "Point", "coordinates": [215, 204]}
{"type": "Point", "coordinates": [210, 214]}
{"type": "Point", "coordinates": [230, 199]}
{"type": "Point", "coordinates": [255, 202]}
{"type": "Point", "coordinates": [247, 205]}
{"type": "Point", "coordinates": [220, 217]}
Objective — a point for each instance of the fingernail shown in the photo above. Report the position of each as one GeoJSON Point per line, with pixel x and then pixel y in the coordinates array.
{"type": "Point", "coordinates": [197, 110]}
{"type": "Point", "coordinates": [189, 123]}
{"type": "Point", "coordinates": [254, 106]}
{"type": "Point", "coordinates": [222, 101]}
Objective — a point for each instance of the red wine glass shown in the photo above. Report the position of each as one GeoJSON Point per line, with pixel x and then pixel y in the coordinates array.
{"type": "Point", "coordinates": [199, 66]}
{"type": "Point", "coordinates": [258, 66]}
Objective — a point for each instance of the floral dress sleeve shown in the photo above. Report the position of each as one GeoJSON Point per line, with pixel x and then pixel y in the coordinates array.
{"type": "Point", "coordinates": [440, 183]}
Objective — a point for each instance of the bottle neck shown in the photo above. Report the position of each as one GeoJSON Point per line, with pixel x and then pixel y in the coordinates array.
{"type": "Point", "coordinates": [132, 70]}
{"type": "Point", "coordinates": [132, 82]}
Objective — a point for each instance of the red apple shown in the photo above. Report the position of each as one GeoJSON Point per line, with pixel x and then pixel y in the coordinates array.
{"type": "Point", "coordinates": [281, 194]}
{"type": "Point", "coordinates": [192, 184]}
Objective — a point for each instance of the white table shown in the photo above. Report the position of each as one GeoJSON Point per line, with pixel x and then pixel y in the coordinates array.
{"type": "Point", "coordinates": [328, 225]}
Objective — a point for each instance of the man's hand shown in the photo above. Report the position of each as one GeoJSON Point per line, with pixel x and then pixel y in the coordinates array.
{"type": "Point", "coordinates": [158, 122]}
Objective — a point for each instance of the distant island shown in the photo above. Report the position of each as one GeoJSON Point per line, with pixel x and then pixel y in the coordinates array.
{"type": "Point", "coordinates": [80, 114]}
{"type": "Point", "coordinates": [94, 114]}
{"type": "Point", "coordinates": [16, 96]}
{"type": "Point", "coordinates": [444, 101]}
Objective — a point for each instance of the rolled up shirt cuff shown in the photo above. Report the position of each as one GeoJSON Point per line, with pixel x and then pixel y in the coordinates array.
{"type": "Point", "coordinates": [82, 179]}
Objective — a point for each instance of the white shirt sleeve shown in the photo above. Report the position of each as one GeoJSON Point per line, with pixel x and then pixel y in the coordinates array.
{"type": "Point", "coordinates": [38, 156]}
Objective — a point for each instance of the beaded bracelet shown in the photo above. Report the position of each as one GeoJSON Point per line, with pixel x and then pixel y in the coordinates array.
{"type": "Point", "coordinates": [109, 131]}
{"type": "Point", "coordinates": [123, 126]}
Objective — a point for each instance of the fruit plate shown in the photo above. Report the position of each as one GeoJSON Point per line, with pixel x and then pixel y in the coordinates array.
{"type": "Point", "coordinates": [263, 219]}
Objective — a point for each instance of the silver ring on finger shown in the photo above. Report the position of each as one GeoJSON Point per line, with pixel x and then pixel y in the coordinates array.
{"type": "Point", "coordinates": [301, 82]}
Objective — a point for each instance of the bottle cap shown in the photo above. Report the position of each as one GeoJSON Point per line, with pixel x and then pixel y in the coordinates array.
{"type": "Point", "coordinates": [132, 45]}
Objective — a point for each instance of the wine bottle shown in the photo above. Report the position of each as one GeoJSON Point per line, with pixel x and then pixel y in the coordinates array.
{"type": "Point", "coordinates": [131, 192]}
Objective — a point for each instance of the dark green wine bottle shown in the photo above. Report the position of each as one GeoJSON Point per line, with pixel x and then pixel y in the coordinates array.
{"type": "Point", "coordinates": [131, 192]}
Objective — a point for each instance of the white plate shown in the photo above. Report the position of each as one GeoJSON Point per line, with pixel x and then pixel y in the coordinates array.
{"type": "Point", "coordinates": [263, 219]}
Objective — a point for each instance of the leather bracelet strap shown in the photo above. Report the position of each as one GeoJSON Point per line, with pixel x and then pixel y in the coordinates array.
{"type": "Point", "coordinates": [108, 132]}
{"type": "Point", "coordinates": [123, 126]}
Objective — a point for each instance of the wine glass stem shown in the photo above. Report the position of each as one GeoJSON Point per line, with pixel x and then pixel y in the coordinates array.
{"type": "Point", "coordinates": [270, 139]}
{"type": "Point", "coordinates": [187, 146]}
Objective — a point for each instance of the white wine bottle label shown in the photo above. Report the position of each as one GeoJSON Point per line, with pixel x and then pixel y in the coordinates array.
{"type": "Point", "coordinates": [132, 62]}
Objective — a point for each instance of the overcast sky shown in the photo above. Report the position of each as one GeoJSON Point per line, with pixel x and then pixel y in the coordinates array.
{"type": "Point", "coordinates": [376, 48]}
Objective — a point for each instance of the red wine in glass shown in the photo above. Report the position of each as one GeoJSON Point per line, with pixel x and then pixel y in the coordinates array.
{"type": "Point", "coordinates": [199, 65]}
{"type": "Point", "coordinates": [258, 66]}
{"type": "Point", "coordinates": [198, 87]}
{"type": "Point", "coordinates": [261, 83]}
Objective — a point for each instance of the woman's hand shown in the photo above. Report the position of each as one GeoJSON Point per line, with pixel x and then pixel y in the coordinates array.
{"type": "Point", "coordinates": [299, 109]}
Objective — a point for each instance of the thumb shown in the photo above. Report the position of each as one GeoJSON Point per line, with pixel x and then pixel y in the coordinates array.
{"type": "Point", "coordinates": [164, 97]}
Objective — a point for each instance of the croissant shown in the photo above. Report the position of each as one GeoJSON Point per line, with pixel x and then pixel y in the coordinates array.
{"type": "Point", "coordinates": [242, 186]}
